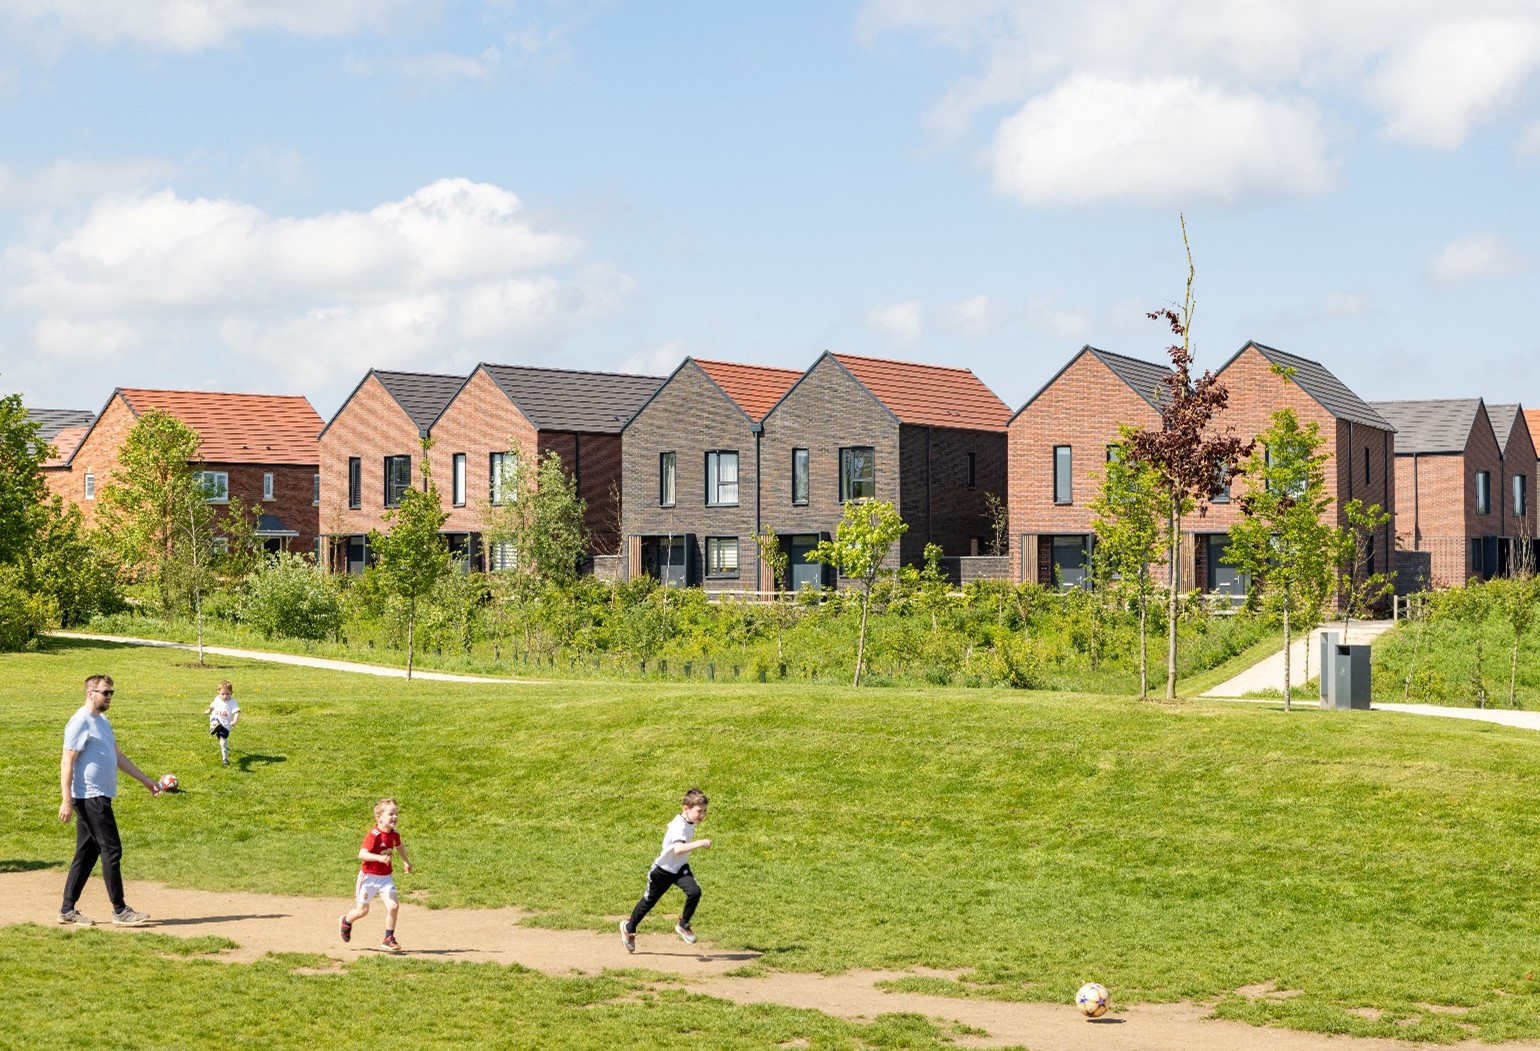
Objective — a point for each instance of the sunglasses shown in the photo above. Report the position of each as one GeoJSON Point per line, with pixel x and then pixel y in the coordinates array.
{"type": "Point", "coordinates": [105, 693]}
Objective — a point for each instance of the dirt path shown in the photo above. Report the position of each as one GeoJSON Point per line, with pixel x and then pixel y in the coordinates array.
{"type": "Point", "coordinates": [264, 923]}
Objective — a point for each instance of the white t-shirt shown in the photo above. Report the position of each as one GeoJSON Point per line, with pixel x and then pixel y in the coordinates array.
{"type": "Point", "coordinates": [679, 831]}
{"type": "Point", "coordinates": [223, 712]}
{"type": "Point", "coordinates": [96, 768]}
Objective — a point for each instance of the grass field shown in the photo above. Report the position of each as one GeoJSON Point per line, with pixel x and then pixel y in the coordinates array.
{"type": "Point", "coordinates": [1367, 860]}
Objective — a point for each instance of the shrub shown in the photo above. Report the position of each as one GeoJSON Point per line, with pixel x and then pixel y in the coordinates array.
{"type": "Point", "coordinates": [23, 617]}
{"type": "Point", "coordinates": [292, 596]}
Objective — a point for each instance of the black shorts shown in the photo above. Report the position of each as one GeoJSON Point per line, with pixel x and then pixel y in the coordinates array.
{"type": "Point", "coordinates": [219, 730]}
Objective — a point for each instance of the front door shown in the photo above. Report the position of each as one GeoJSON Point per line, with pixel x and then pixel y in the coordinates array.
{"type": "Point", "coordinates": [804, 574]}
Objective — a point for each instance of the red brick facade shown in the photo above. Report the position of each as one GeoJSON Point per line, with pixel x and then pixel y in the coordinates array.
{"type": "Point", "coordinates": [370, 426]}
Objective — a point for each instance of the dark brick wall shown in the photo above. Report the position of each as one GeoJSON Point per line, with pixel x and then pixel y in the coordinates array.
{"type": "Point", "coordinates": [938, 503]}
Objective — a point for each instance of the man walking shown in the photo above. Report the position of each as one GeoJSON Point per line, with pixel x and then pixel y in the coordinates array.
{"type": "Point", "coordinates": [88, 779]}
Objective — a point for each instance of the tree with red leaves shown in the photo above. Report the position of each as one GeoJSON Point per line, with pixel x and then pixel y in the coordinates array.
{"type": "Point", "coordinates": [1193, 462]}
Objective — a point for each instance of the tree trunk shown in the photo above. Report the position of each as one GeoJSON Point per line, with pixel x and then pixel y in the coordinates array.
{"type": "Point", "coordinates": [1513, 669]}
{"type": "Point", "coordinates": [1144, 642]}
{"type": "Point", "coordinates": [866, 599]}
{"type": "Point", "coordinates": [1288, 689]}
{"type": "Point", "coordinates": [411, 623]}
{"type": "Point", "coordinates": [1174, 571]}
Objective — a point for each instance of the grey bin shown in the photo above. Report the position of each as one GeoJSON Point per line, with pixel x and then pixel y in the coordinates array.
{"type": "Point", "coordinates": [1349, 687]}
{"type": "Point", "coordinates": [1328, 662]}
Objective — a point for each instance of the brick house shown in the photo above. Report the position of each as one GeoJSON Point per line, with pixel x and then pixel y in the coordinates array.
{"type": "Point", "coordinates": [1059, 441]}
{"type": "Point", "coordinates": [1456, 489]}
{"type": "Point", "coordinates": [371, 451]}
{"type": "Point", "coordinates": [930, 439]}
{"type": "Point", "coordinates": [260, 448]}
{"type": "Point", "coordinates": [1516, 484]}
{"type": "Point", "coordinates": [518, 411]}
{"type": "Point", "coordinates": [692, 470]}
{"type": "Point", "coordinates": [62, 429]}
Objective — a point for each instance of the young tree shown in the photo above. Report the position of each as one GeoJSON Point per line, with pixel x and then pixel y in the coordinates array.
{"type": "Point", "coordinates": [412, 557]}
{"type": "Point", "coordinates": [153, 497]}
{"type": "Point", "coordinates": [1129, 513]}
{"type": "Point", "coordinates": [1359, 588]}
{"type": "Point", "coordinates": [1193, 462]}
{"type": "Point", "coordinates": [862, 540]}
{"type": "Point", "coordinates": [774, 556]}
{"type": "Point", "coordinates": [1283, 540]}
{"type": "Point", "coordinates": [23, 493]}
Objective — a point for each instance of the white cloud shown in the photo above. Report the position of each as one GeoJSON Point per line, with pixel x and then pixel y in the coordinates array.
{"type": "Point", "coordinates": [1479, 255]}
{"type": "Point", "coordinates": [1455, 76]}
{"type": "Point", "coordinates": [194, 25]}
{"type": "Point", "coordinates": [1349, 304]}
{"type": "Point", "coordinates": [976, 316]}
{"type": "Point", "coordinates": [431, 68]}
{"type": "Point", "coordinates": [455, 270]}
{"type": "Point", "coordinates": [1062, 323]}
{"type": "Point", "coordinates": [1528, 144]}
{"type": "Point", "coordinates": [659, 361]}
{"type": "Point", "coordinates": [1160, 142]}
{"type": "Point", "coordinates": [68, 182]}
{"type": "Point", "coordinates": [899, 320]}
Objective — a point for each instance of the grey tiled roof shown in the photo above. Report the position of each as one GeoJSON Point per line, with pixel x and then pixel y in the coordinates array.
{"type": "Point", "coordinates": [1503, 418]}
{"type": "Point", "coordinates": [1145, 377]}
{"type": "Point", "coordinates": [1439, 425]}
{"type": "Point", "coordinates": [422, 394]}
{"type": "Point", "coordinates": [572, 400]}
{"type": "Point", "coordinates": [51, 421]}
{"type": "Point", "coordinates": [1317, 381]}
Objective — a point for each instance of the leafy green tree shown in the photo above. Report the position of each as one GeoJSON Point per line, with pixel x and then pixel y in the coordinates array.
{"type": "Point", "coordinates": [412, 557]}
{"type": "Point", "coordinates": [1514, 600]}
{"type": "Point", "coordinates": [774, 556]}
{"type": "Point", "coordinates": [1283, 541]}
{"type": "Point", "coordinates": [1130, 511]}
{"type": "Point", "coordinates": [290, 596]}
{"type": "Point", "coordinates": [866, 533]}
{"type": "Point", "coordinates": [1358, 588]}
{"type": "Point", "coordinates": [154, 501]}
{"type": "Point", "coordinates": [22, 490]}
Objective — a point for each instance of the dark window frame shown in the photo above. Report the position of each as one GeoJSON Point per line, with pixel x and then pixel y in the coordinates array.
{"type": "Point", "coordinates": [717, 543]}
{"type": "Point", "coordinates": [1063, 478]}
{"type": "Point", "coordinates": [1483, 492]}
{"type": "Point", "coordinates": [714, 457]}
{"type": "Point", "coordinates": [355, 482]}
{"type": "Point", "coordinates": [668, 478]}
{"type": "Point", "coordinates": [457, 480]}
{"type": "Point", "coordinates": [801, 477]}
{"type": "Point", "coordinates": [392, 464]}
{"type": "Point", "coordinates": [848, 482]}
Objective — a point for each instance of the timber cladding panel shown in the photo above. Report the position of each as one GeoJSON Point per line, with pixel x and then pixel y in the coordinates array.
{"type": "Point", "coordinates": [689, 416]}
{"type": "Point", "coordinates": [371, 426]}
{"type": "Point", "coordinates": [825, 411]}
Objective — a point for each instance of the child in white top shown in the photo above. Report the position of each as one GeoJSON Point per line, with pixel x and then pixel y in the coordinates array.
{"type": "Point", "coordinates": [673, 867]}
{"type": "Point", "coordinates": [223, 714]}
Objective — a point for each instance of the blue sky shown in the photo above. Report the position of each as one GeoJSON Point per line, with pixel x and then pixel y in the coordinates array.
{"type": "Point", "coordinates": [275, 197]}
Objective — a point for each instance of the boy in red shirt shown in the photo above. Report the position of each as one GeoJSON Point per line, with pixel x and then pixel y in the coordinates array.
{"type": "Point", "coordinates": [374, 874]}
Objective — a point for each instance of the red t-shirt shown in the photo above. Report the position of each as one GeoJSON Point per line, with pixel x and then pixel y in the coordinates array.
{"type": "Point", "coordinates": [377, 842]}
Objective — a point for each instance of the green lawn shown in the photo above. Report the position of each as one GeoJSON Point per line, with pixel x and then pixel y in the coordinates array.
{"type": "Point", "coordinates": [1365, 859]}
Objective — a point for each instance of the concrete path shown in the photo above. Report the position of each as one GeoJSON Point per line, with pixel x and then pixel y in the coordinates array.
{"type": "Point", "coordinates": [291, 658]}
{"type": "Point", "coordinates": [1268, 674]}
{"type": "Point", "coordinates": [1503, 716]}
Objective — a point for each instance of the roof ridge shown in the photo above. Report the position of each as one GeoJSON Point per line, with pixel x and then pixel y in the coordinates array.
{"type": "Point", "coordinates": [838, 355]}
{"type": "Point", "coordinates": [577, 372]}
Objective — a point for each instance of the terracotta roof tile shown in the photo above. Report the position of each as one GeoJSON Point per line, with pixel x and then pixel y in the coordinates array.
{"type": "Point", "coordinates": [1532, 418]}
{"type": "Point", "coordinates": [755, 388]}
{"type": "Point", "coordinates": [929, 395]}
{"type": "Point", "coordinates": [65, 442]}
{"type": "Point", "coordinates": [239, 428]}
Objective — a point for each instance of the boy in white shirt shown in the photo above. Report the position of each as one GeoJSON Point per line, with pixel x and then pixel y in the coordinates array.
{"type": "Point", "coordinates": [223, 714]}
{"type": "Point", "coordinates": [673, 867]}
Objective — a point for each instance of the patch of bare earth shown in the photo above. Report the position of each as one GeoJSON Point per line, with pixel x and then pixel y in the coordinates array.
{"type": "Point", "coordinates": [265, 923]}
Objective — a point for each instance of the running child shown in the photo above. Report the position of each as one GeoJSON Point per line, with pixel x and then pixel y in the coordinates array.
{"type": "Point", "coordinates": [223, 714]}
{"type": "Point", "coordinates": [673, 867]}
{"type": "Point", "coordinates": [374, 876]}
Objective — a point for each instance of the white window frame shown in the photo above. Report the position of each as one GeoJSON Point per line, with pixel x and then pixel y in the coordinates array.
{"type": "Point", "coordinates": [267, 485]}
{"type": "Point", "coordinates": [501, 556]}
{"type": "Point", "coordinates": [219, 481]}
{"type": "Point", "coordinates": [90, 484]}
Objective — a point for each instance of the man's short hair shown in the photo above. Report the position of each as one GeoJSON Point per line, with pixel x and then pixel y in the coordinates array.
{"type": "Point", "coordinates": [694, 797]}
{"type": "Point", "coordinates": [97, 682]}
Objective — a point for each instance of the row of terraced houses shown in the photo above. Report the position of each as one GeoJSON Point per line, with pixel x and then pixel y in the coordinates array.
{"type": "Point", "coordinates": [680, 473]}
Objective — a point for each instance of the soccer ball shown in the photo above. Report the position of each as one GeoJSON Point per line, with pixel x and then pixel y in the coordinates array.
{"type": "Point", "coordinates": [169, 783]}
{"type": "Point", "coordinates": [1092, 1000]}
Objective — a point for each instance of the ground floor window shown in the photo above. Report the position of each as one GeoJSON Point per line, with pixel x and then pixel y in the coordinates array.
{"type": "Point", "coordinates": [721, 556]}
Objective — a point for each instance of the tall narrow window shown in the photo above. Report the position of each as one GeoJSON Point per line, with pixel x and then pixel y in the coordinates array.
{"type": "Point", "coordinates": [1483, 492]}
{"type": "Point", "coordinates": [1063, 461]}
{"type": "Point", "coordinates": [355, 482]}
{"type": "Point", "coordinates": [668, 479]}
{"type": "Point", "coordinates": [315, 489]}
{"type": "Point", "coordinates": [800, 477]}
{"type": "Point", "coordinates": [500, 467]}
{"type": "Point", "coordinates": [90, 486]}
{"type": "Point", "coordinates": [1520, 495]}
{"type": "Point", "coordinates": [457, 480]}
{"type": "Point", "coordinates": [721, 479]}
{"type": "Point", "coordinates": [973, 470]}
{"type": "Point", "coordinates": [858, 473]}
{"type": "Point", "coordinates": [1366, 466]}
{"type": "Point", "coordinates": [267, 485]}
{"type": "Point", "coordinates": [398, 478]}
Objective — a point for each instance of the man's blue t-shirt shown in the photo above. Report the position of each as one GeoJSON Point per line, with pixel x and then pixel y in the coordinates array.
{"type": "Point", "coordinates": [96, 769]}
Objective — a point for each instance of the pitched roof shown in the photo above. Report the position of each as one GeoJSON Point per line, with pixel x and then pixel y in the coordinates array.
{"type": "Point", "coordinates": [1503, 418]}
{"type": "Point", "coordinates": [754, 388]}
{"type": "Point", "coordinates": [421, 395]}
{"type": "Point", "coordinates": [1437, 425]}
{"type": "Point", "coordinates": [1532, 418]}
{"type": "Point", "coordinates": [65, 443]}
{"type": "Point", "coordinates": [571, 400]}
{"type": "Point", "coordinates": [1317, 381]}
{"type": "Point", "coordinates": [238, 428]}
{"type": "Point", "coordinates": [1146, 378]}
{"type": "Point", "coordinates": [929, 395]}
{"type": "Point", "coordinates": [51, 421]}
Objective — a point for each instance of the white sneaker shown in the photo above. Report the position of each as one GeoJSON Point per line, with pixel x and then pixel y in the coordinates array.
{"type": "Point", "coordinates": [627, 937]}
{"type": "Point", "coordinates": [685, 933]}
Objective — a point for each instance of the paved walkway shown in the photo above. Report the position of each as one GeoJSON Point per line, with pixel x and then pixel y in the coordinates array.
{"type": "Point", "coordinates": [1268, 673]}
{"type": "Point", "coordinates": [291, 658]}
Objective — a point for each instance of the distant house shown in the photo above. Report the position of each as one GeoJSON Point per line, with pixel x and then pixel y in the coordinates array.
{"type": "Point", "coordinates": [1510, 426]}
{"type": "Point", "coordinates": [507, 413]}
{"type": "Point", "coordinates": [260, 448]}
{"type": "Point", "coordinates": [695, 478]}
{"type": "Point", "coordinates": [930, 439]}
{"type": "Point", "coordinates": [371, 452]}
{"type": "Point", "coordinates": [1456, 489]}
{"type": "Point", "coordinates": [62, 429]}
{"type": "Point", "coordinates": [1060, 442]}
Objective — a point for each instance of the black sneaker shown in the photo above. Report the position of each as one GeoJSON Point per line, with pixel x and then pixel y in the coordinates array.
{"type": "Point", "coordinates": [345, 928]}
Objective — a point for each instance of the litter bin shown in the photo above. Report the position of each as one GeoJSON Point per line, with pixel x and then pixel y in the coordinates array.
{"type": "Point", "coordinates": [1350, 679]}
{"type": "Point", "coordinates": [1327, 663]}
